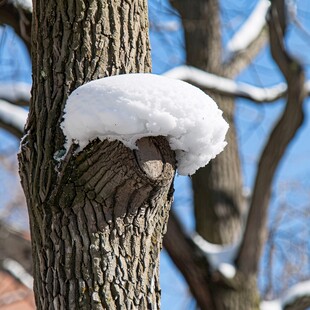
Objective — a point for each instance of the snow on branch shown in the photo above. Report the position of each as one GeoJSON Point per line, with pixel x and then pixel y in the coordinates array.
{"type": "Point", "coordinates": [24, 4]}
{"type": "Point", "coordinates": [18, 271]}
{"type": "Point", "coordinates": [12, 115]}
{"type": "Point", "coordinates": [15, 92]}
{"type": "Point", "coordinates": [220, 257]}
{"type": "Point", "coordinates": [229, 87]}
{"type": "Point", "coordinates": [170, 26]}
{"type": "Point", "coordinates": [301, 289]}
{"type": "Point", "coordinates": [290, 297]}
{"type": "Point", "coordinates": [132, 106]}
{"type": "Point", "coordinates": [250, 29]}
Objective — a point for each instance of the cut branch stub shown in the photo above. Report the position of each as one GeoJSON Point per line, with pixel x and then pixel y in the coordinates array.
{"type": "Point", "coordinates": [149, 157]}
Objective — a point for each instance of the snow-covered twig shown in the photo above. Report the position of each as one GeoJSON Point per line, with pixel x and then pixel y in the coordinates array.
{"type": "Point", "coordinates": [25, 4]}
{"type": "Point", "coordinates": [18, 271]}
{"type": "Point", "coordinates": [230, 87]}
{"type": "Point", "coordinates": [298, 291]}
{"type": "Point", "coordinates": [220, 257]}
{"type": "Point", "coordinates": [170, 26]}
{"type": "Point", "coordinates": [250, 29]}
{"type": "Point", "coordinates": [15, 92]}
{"type": "Point", "coordinates": [12, 115]}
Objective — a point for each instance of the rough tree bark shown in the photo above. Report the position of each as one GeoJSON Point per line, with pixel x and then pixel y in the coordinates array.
{"type": "Point", "coordinates": [97, 217]}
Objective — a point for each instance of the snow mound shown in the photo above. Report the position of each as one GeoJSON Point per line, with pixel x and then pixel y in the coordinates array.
{"type": "Point", "coordinates": [129, 107]}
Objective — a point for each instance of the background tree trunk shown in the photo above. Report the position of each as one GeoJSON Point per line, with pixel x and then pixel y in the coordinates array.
{"type": "Point", "coordinates": [218, 202]}
{"type": "Point", "coordinates": [97, 217]}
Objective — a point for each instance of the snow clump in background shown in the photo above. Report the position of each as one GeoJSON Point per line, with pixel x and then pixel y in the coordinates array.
{"type": "Point", "coordinates": [131, 106]}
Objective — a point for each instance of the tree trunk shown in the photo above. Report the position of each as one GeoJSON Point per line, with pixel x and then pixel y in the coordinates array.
{"type": "Point", "coordinates": [240, 293]}
{"type": "Point", "coordinates": [219, 206]}
{"type": "Point", "coordinates": [97, 217]}
{"type": "Point", "coordinates": [218, 202]}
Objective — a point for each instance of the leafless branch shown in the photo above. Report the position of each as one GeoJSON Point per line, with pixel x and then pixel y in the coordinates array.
{"type": "Point", "coordinates": [15, 92]}
{"type": "Point", "coordinates": [247, 41]}
{"type": "Point", "coordinates": [12, 118]}
{"type": "Point", "coordinates": [280, 137]}
{"type": "Point", "coordinates": [230, 87]}
{"type": "Point", "coordinates": [243, 58]}
{"type": "Point", "coordinates": [295, 298]}
{"type": "Point", "coordinates": [18, 18]}
{"type": "Point", "coordinates": [184, 254]}
{"type": "Point", "coordinates": [16, 246]}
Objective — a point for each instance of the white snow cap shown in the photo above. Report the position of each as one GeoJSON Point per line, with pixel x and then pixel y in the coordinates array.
{"type": "Point", "coordinates": [131, 106]}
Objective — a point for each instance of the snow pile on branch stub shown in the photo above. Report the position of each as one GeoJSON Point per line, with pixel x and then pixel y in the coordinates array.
{"type": "Point", "coordinates": [131, 106]}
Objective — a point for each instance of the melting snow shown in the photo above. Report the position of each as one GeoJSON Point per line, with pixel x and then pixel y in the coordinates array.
{"type": "Point", "coordinates": [129, 107]}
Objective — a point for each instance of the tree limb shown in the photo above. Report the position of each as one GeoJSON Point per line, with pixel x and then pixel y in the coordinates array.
{"type": "Point", "coordinates": [184, 254]}
{"type": "Point", "coordinates": [228, 87]}
{"type": "Point", "coordinates": [18, 272]}
{"type": "Point", "coordinates": [15, 92]}
{"type": "Point", "coordinates": [250, 29]}
{"type": "Point", "coordinates": [300, 303]}
{"type": "Point", "coordinates": [243, 58]}
{"type": "Point", "coordinates": [201, 23]}
{"type": "Point", "coordinates": [296, 297]}
{"type": "Point", "coordinates": [18, 18]}
{"type": "Point", "coordinates": [281, 136]}
{"type": "Point", "coordinates": [12, 118]}
{"type": "Point", "coordinates": [16, 246]}
{"type": "Point", "coordinates": [247, 41]}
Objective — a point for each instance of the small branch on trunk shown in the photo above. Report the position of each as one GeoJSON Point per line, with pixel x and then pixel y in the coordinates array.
{"type": "Point", "coordinates": [281, 136]}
